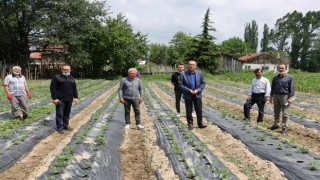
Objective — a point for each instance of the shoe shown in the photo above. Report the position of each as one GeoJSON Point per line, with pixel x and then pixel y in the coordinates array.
{"type": "Point", "coordinates": [245, 119]}
{"type": "Point", "coordinates": [140, 127]}
{"type": "Point", "coordinates": [275, 126]}
{"type": "Point", "coordinates": [24, 117]}
{"type": "Point", "coordinates": [190, 126]}
{"type": "Point", "coordinates": [202, 126]}
{"type": "Point", "coordinates": [60, 131]}
{"type": "Point", "coordinates": [194, 115]}
{"type": "Point", "coordinates": [284, 129]}
{"type": "Point", "coordinates": [178, 115]}
{"type": "Point", "coordinates": [259, 121]}
{"type": "Point", "coordinates": [68, 128]}
{"type": "Point", "coordinates": [127, 126]}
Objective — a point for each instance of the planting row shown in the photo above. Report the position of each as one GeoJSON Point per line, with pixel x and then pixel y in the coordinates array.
{"type": "Point", "coordinates": [295, 161]}
{"type": "Point", "coordinates": [190, 157]}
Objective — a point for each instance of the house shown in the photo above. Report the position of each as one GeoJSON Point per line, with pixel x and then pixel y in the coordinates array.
{"type": "Point", "coordinates": [228, 62]}
{"type": "Point", "coordinates": [261, 60]}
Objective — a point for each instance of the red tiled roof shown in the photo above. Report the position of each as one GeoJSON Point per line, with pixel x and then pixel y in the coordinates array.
{"type": "Point", "coordinates": [35, 55]}
{"type": "Point", "coordinates": [250, 56]}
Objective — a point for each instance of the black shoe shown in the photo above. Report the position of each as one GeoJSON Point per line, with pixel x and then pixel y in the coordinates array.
{"type": "Point", "coordinates": [259, 121]}
{"type": "Point", "coordinates": [60, 131]}
{"type": "Point", "coordinates": [68, 128]}
{"type": "Point", "coordinates": [284, 129]}
{"type": "Point", "coordinates": [190, 126]}
{"type": "Point", "coordinates": [24, 117]}
{"type": "Point", "coordinates": [202, 126]}
{"type": "Point", "coordinates": [275, 126]}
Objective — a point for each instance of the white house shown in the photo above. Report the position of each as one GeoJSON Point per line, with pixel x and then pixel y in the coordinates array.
{"type": "Point", "coordinates": [261, 60]}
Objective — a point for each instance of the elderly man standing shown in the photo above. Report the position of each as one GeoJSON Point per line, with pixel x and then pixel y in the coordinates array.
{"type": "Point", "coordinates": [282, 92]}
{"type": "Point", "coordinates": [64, 92]}
{"type": "Point", "coordinates": [192, 83]}
{"type": "Point", "coordinates": [17, 91]}
{"type": "Point", "coordinates": [130, 94]}
{"type": "Point", "coordinates": [259, 93]}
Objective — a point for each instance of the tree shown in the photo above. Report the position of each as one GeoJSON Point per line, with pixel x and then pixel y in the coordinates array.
{"type": "Point", "coordinates": [235, 47]}
{"type": "Point", "coordinates": [204, 50]}
{"type": "Point", "coordinates": [265, 41]}
{"type": "Point", "coordinates": [251, 35]}
{"type": "Point", "coordinates": [179, 47]}
{"type": "Point", "coordinates": [60, 22]}
{"type": "Point", "coordinates": [157, 53]}
{"type": "Point", "coordinates": [122, 47]}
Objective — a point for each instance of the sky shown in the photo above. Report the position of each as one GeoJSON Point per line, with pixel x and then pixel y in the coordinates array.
{"type": "Point", "coordinates": [161, 19]}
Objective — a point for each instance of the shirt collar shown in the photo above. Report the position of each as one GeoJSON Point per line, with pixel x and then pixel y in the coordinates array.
{"type": "Point", "coordinates": [13, 75]}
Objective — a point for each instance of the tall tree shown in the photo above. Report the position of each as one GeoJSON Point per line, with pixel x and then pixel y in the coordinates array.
{"type": "Point", "coordinates": [123, 47]}
{"type": "Point", "coordinates": [204, 49]}
{"type": "Point", "coordinates": [235, 47]}
{"type": "Point", "coordinates": [157, 53]}
{"type": "Point", "coordinates": [50, 20]}
{"type": "Point", "coordinates": [265, 41]}
{"type": "Point", "coordinates": [251, 35]}
{"type": "Point", "coordinates": [179, 47]}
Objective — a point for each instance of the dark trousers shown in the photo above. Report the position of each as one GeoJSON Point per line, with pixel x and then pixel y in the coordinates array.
{"type": "Point", "coordinates": [178, 95]}
{"type": "Point", "coordinates": [136, 108]}
{"type": "Point", "coordinates": [197, 103]}
{"type": "Point", "coordinates": [63, 110]}
{"type": "Point", "coordinates": [255, 99]}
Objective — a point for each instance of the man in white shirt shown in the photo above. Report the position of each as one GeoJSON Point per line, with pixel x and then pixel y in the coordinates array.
{"type": "Point", "coordinates": [258, 94]}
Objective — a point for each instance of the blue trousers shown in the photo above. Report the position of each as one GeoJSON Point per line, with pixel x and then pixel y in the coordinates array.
{"type": "Point", "coordinates": [63, 110]}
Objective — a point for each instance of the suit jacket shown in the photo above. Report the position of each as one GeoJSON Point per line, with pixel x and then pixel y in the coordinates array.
{"type": "Point", "coordinates": [185, 85]}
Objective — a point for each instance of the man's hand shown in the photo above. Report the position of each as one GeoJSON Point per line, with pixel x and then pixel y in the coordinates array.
{"type": "Point", "coordinates": [249, 98]}
{"type": "Point", "coordinates": [265, 99]}
{"type": "Point", "coordinates": [55, 101]}
{"type": "Point", "coordinates": [9, 96]}
{"type": "Point", "coordinates": [75, 100]}
{"type": "Point", "coordinates": [140, 100]}
{"type": "Point", "coordinates": [271, 100]}
{"type": "Point", "coordinates": [121, 100]}
{"type": "Point", "coordinates": [29, 95]}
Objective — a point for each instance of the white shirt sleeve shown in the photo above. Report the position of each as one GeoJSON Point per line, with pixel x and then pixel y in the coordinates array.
{"type": "Point", "coordinates": [268, 88]}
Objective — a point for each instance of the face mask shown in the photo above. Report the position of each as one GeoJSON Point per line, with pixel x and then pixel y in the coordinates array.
{"type": "Point", "coordinates": [66, 74]}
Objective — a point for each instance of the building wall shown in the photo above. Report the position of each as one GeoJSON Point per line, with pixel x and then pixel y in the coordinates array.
{"type": "Point", "coordinates": [264, 67]}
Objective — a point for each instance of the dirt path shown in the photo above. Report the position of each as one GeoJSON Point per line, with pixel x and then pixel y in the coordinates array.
{"type": "Point", "coordinates": [140, 155]}
{"type": "Point", "coordinates": [230, 151]}
{"type": "Point", "coordinates": [40, 158]}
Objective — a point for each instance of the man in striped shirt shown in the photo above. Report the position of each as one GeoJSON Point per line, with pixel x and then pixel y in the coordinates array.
{"type": "Point", "coordinates": [17, 91]}
{"type": "Point", "coordinates": [259, 93]}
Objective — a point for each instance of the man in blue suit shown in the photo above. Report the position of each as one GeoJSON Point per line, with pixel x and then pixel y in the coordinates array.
{"type": "Point", "coordinates": [192, 82]}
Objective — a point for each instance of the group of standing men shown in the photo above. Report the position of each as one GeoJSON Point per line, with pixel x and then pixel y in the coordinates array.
{"type": "Point", "coordinates": [63, 92]}
{"type": "Point", "coordinates": [280, 93]}
{"type": "Point", "coordinates": [188, 84]}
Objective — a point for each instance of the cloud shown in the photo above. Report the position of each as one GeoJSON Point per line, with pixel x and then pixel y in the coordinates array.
{"type": "Point", "coordinates": [161, 19]}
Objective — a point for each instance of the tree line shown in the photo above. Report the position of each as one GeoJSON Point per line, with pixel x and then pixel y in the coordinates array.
{"type": "Point", "coordinates": [99, 42]}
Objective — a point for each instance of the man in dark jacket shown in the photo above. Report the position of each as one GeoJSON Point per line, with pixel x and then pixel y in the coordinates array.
{"type": "Point", "coordinates": [192, 83]}
{"type": "Point", "coordinates": [177, 91]}
{"type": "Point", "coordinates": [63, 92]}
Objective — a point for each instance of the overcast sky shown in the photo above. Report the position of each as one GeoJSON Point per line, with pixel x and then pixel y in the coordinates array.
{"type": "Point", "coordinates": [161, 19]}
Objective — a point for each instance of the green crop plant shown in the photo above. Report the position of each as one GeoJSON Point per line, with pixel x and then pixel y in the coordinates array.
{"type": "Point", "coordinates": [63, 160]}
{"type": "Point", "coordinates": [261, 138]}
{"type": "Point", "coordinates": [232, 158]}
{"type": "Point", "coordinates": [225, 172]}
{"type": "Point", "coordinates": [303, 149]}
{"type": "Point", "coordinates": [100, 141]}
{"type": "Point", "coordinates": [288, 153]}
{"type": "Point", "coordinates": [313, 166]}
{"type": "Point", "coordinates": [248, 170]}
{"type": "Point", "coordinates": [17, 140]}
{"type": "Point", "coordinates": [55, 170]}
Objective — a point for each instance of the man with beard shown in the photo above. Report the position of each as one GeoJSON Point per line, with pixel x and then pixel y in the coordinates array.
{"type": "Point", "coordinates": [17, 91]}
{"type": "Point", "coordinates": [282, 92]}
{"type": "Point", "coordinates": [259, 93]}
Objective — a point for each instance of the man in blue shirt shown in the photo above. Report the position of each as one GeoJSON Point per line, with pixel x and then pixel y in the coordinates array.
{"type": "Point", "coordinates": [192, 83]}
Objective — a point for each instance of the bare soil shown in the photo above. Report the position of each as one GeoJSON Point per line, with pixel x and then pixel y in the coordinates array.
{"type": "Point", "coordinates": [230, 151]}
{"type": "Point", "coordinates": [40, 158]}
{"type": "Point", "coordinates": [140, 155]}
